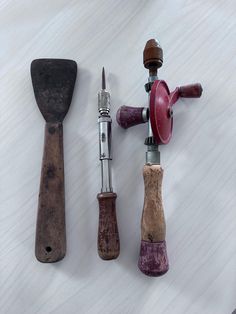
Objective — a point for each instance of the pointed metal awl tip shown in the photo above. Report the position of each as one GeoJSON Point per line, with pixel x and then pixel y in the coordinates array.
{"type": "Point", "coordinates": [103, 79]}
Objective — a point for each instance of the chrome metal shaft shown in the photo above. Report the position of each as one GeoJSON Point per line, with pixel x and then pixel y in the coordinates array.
{"type": "Point", "coordinates": [152, 153]}
{"type": "Point", "coordinates": [105, 122]}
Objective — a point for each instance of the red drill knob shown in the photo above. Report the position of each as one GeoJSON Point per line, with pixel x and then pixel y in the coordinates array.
{"type": "Point", "coordinates": [190, 91]}
{"type": "Point", "coordinates": [129, 116]}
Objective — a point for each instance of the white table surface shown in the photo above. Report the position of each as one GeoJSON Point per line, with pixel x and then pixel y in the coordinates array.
{"type": "Point", "coordinates": [199, 189]}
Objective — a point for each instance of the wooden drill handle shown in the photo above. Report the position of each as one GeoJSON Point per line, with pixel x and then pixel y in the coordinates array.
{"type": "Point", "coordinates": [50, 243]}
{"type": "Point", "coordinates": [108, 236]}
{"type": "Point", "coordinates": [153, 259]}
{"type": "Point", "coordinates": [190, 91]}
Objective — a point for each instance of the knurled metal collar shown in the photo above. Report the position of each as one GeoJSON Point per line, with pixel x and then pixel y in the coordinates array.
{"type": "Point", "coordinates": [104, 102]}
{"type": "Point", "coordinates": [150, 141]}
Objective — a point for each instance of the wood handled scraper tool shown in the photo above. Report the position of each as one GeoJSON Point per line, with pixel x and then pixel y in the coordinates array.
{"type": "Point", "coordinates": [53, 83]}
{"type": "Point", "coordinates": [153, 260]}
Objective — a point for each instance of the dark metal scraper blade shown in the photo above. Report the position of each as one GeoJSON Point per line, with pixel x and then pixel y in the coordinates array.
{"type": "Point", "coordinates": [53, 82]}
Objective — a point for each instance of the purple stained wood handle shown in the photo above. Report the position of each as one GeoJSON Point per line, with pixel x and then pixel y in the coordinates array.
{"type": "Point", "coordinates": [129, 116]}
{"type": "Point", "coordinates": [153, 260]}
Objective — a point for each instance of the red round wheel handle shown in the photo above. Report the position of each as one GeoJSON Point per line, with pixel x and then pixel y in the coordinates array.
{"type": "Point", "coordinates": [129, 116]}
{"type": "Point", "coordinates": [190, 91]}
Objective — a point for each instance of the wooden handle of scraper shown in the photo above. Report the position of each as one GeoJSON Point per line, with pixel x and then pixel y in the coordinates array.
{"type": "Point", "coordinates": [50, 243]}
{"type": "Point", "coordinates": [153, 259]}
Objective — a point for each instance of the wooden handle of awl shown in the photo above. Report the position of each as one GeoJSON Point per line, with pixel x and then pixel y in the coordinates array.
{"type": "Point", "coordinates": [108, 236]}
{"type": "Point", "coordinates": [153, 260]}
{"type": "Point", "coordinates": [50, 243]}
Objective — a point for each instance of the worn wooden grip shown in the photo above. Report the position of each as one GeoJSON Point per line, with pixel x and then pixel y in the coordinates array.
{"type": "Point", "coordinates": [50, 243]}
{"type": "Point", "coordinates": [153, 227]}
{"type": "Point", "coordinates": [108, 236]}
{"type": "Point", "coordinates": [190, 91]}
{"type": "Point", "coordinates": [153, 259]}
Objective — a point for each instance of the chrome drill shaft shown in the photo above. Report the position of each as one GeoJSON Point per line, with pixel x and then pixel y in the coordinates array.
{"type": "Point", "coordinates": [152, 153]}
{"type": "Point", "coordinates": [104, 122]}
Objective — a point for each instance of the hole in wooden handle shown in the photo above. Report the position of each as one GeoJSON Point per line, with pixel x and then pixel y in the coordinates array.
{"type": "Point", "coordinates": [48, 249]}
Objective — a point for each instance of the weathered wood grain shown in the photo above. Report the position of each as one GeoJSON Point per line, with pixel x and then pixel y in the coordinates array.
{"type": "Point", "coordinates": [153, 226]}
{"type": "Point", "coordinates": [50, 245]}
{"type": "Point", "coordinates": [108, 235]}
{"type": "Point", "coordinates": [153, 260]}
